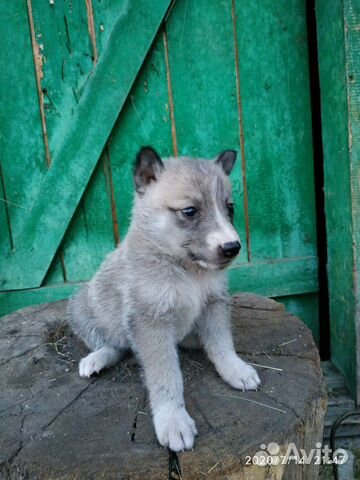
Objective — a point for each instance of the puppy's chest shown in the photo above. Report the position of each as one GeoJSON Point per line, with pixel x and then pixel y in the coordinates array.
{"type": "Point", "coordinates": [192, 297]}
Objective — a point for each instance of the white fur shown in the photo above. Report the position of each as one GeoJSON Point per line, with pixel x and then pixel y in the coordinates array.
{"type": "Point", "coordinates": [224, 233]}
{"type": "Point", "coordinates": [237, 373]}
{"type": "Point", "coordinates": [94, 362]}
{"type": "Point", "coordinates": [174, 427]}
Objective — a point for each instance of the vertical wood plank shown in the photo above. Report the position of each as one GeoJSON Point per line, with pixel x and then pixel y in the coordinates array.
{"type": "Point", "coordinates": [21, 144]}
{"type": "Point", "coordinates": [144, 120]}
{"type": "Point", "coordinates": [305, 307]}
{"type": "Point", "coordinates": [203, 72]}
{"type": "Point", "coordinates": [352, 44]}
{"type": "Point", "coordinates": [90, 235]}
{"type": "Point", "coordinates": [82, 238]}
{"type": "Point", "coordinates": [275, 95]}
{"type": "Point", "coordinates": [338, 40]}
{"type": "Point", "coordinates": [241, 129]}
{"type": "Point", "coordinates": [38, 68]}
{"type": "Point", "coordinates": [62, 35]}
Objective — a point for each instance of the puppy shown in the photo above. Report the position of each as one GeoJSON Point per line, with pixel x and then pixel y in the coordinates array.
{"type": "Point", "coordinates": [166, 284]}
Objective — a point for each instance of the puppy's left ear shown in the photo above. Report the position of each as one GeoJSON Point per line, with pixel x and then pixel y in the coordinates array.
{"type": "Point", "coordinates": [148, 167]}
{"type": "Point", "coordinates": [226, 160]}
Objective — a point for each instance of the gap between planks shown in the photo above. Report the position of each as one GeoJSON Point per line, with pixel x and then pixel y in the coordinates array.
{"type": "Point", "coordinates": [91, 29]}
{"type": "Point", "coordinates": [38, 64]}
{"type": "Point", "coordinates": [6, 206]}
{"type": "Point", "coordinates": [110, 185]}
{"type": "Point", "coordinates": [170, 93]}
{"type": "Point", "coordinates": [241, 129]}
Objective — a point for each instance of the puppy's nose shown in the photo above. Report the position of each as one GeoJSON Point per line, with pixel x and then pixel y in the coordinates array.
{"type": "Point", "coordinates": [230, 249]}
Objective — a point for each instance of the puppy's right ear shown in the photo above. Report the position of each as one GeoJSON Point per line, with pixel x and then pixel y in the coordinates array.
{"type": "Point", "coordinates": [148, 168]}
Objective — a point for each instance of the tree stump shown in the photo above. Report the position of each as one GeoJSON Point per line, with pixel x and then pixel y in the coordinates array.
{"type": "Point", "coordinates": [56, 425]}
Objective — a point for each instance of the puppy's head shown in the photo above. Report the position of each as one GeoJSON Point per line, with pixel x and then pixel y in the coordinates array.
{"type": "Point", "coordinates": [185, 207]}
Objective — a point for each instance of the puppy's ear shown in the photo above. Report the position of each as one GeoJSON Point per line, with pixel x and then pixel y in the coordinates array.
{"type": "Point", "coordinates": [226, 160]}
{"type": "Point", "coordinates": [148, 167]}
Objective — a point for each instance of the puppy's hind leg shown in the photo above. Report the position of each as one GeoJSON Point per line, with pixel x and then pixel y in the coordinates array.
{"type": "Point", "coordinates": [105, 352]}
{"type": "Point", "coordinates": [104, 357]}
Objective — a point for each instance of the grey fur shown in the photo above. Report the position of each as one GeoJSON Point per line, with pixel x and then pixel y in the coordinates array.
{"type": "Point", "coordinates": [164, 284]}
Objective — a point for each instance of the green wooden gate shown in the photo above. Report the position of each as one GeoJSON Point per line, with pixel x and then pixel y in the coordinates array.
{"type": "Point", "coordinates": [86, 83]}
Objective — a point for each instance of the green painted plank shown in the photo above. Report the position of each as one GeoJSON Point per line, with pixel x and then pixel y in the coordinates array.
{"type": "Point", "coordinates": [274, 278]}
{"type": "Point", "coordinates": [275, 94]}
{"type": "Point", "coordinates": [145, 119]}
{"type": "Point", "coordinates": [13, 300]}
{"type": "Point", "coordinates": [265, 278]}
{"type": "Point", "coordinates": [306, 307]}
{"type": "Point", "coordinates": [21, 144]}
{"type": "Point", "coordinates": [352, 42]}
{"type": "Point", "coordinates": [105, 14]}
{"type": "Point", "coordinates": [57, 271]}
{"type": "Point", "coordinates": [62, 34]}
{"type": "Point", "coordinates": [60, 191]}
{"type": "Point", "coordinates": [338, 33]}
{"type": "Point", "coordinates": [90, 235]}
{"type": "Point", "coordinates": [203, 73]}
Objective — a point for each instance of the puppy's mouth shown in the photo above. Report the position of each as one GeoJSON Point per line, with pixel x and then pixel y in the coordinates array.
{"type": "Point", "coordinates": [205, 264]}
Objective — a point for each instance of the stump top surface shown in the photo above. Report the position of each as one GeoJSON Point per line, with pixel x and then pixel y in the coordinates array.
{"type": "Point", "coordinates": [57, 425]}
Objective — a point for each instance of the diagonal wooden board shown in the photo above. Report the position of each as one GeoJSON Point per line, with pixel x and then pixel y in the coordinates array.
{"type": "Point", "coordinates": [82, 142]}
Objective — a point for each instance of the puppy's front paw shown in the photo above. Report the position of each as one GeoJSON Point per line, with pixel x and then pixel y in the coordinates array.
{"type": "Point", "coordinates": [174, 428]}
{"type": "Point", "coordinates": [90, 364]}
{"type": "Point", "coordinates": [239, 374]}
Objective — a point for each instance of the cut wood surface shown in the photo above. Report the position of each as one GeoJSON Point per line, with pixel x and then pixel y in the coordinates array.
{"type": "Point", "coordinates": [57, 425]}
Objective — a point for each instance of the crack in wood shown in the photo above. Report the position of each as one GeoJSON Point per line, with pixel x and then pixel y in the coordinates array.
{"type": "Point", "coordinates": [275, 354]}
{"type": "Point", "coordinates": [91, 29]}
{"type": "Point", "coordinates": [66, 407]}
{"type": "Point", "coordinates": [20, 404]}
{"type": "Point", "coordinates": [20, 355]}
{"type": "Point", "coordinates": [13, 456]}
{"type": "Point", "coordinates": [140, 406]}
{"type": "Point", "coordinates": [110, 185]}
{"type": "Point", "coordinates": [134, 428]}
{"type": "Point", "coordinates": [170, 93]}
{"type": "Point", "coordinates": [174, 467]}
{"type": "Point", "coordinates": [6, 206]}
{"type": "Point", "coordinates": [241, 130]}
{"type": "Point", "coordinates": [63, 266]}
{"type": "Point", "coordinates": [20, 442]}
{"type": "Point", "coordinates": [67, 33]}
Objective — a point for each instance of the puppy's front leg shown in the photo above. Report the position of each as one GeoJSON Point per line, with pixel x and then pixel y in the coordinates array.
{"type": "Point", "coordinates": [156, 346]}
{"type": "Point", "coordinates": [215, 333]}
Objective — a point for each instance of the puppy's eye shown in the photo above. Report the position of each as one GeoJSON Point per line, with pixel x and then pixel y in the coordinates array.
{"type": "Point", "coordinates": [230, 207]}
{"type": "Point", "coordinates": [189, 211]}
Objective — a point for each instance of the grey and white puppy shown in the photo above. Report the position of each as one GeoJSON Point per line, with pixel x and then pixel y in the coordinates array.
{"type": "Point", "coordinates": [166, 284]}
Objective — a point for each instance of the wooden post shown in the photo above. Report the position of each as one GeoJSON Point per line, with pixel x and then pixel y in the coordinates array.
{"type": "Point", "coordinates": [338, 25]}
